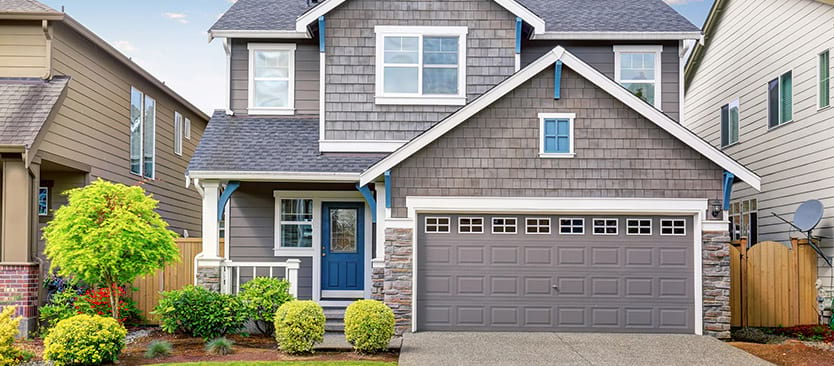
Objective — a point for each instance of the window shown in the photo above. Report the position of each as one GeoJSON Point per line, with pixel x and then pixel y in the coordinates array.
{"type": "Point", "coordinates": [296, 223]}
{"type": "Point", "coordinates": [187, 129]}
{"type": "Point", "coordinates": [744, 221]}
{"type": "Point", "coordinates": [729, 123]}
{"type": "Point", "coordinates": [142, 133]}
{"type": "Point", "coordinates": [470, 225]}
{"type": "Point", "coordinates": [673, 227]}
{"type": "Point", "coordinates": [537, 225]}
{"type": "Point", "coordinates": [824, 74]}
{"type": "Point", "coordinates": [437, 224]}
{"type": "Point", "coordinates": [271, 78]}
{"type": "Point", "coordinates": [178, 133]}
{"type": "Point", "coordinates": [639, 227]}
{"type": "Point", "coordinates": [421, 65]}
{"type": "Point", "coordinates": [572, 226]}
{"type": "Point", "coordinates": [637, 68]}
{"type": "Point", "coordinates": [605, 226]}
{"type": "Point", "coordinates": [556, 135]}
{"type": "Point", "coordinates": [504, 225]}
{"type": "Point", "coordinates": [780, 100]}
{"type": "Point", "coordinates": [43, 201]}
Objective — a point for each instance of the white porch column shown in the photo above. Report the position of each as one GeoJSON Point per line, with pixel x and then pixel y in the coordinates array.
{"type": "Point", "coordinates": [211, 247]}
{"type": "Point", "coordinates": [381, 214]}
{"type": "Point", "coordinates": [293, 265]}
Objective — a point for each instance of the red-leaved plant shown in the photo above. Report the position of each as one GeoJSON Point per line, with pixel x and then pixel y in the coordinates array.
{"type": "Point", "coordinates": [98, 302]}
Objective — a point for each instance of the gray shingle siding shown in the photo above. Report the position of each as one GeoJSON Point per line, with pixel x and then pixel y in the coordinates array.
{"type": "Point", "coordinates": [618, 152]}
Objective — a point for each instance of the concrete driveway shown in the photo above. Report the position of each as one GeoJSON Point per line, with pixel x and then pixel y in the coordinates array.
{"type": "Point", "coordinates": [464, 348]}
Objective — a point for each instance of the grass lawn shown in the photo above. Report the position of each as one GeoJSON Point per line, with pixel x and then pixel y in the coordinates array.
{"type": "Point", "coordinates": [285, 363]}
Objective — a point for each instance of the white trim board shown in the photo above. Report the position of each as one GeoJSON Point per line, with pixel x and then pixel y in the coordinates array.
{"type": "Point", "coordinates": [583, 69]}
{"type": "Point", "coordinates": [276, 176]}
{"type": "Point", "coordinates": [654, 36]}
{"type": "Point", "coordinates": [281, 34]}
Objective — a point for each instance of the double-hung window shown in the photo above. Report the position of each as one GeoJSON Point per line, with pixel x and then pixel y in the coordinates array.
{"type": "Point", "coordinates": [178, 133]}
{"type": "Point", "coordinates": [780, 100]}
{"type": "Point", "coordinates": [729, 123]}
{"type": "Point", "coordinates": [271, 78]}
{"type": "Point", "coordinates": [295, 228]}
{"type": "Point", "coordinates": [142, 134]}
{"type": "Point", "coordinates": [744, 220]}
{"type": "Point", "coordinates": [420, 65]}
{"type": "Point", "coordinates": [556, 135]}
{"type": "Point", "coordinates": [824, 76]}
{"type": "Point", "coordinates": [637, 68]}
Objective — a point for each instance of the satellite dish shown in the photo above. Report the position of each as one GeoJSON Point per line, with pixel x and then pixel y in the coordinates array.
{"type": "Point", "coordinates": [808, 215]}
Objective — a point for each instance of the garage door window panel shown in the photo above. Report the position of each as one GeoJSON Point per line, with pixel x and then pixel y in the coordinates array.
{"type": "Point", "coordinates": [471, 225]}
{"type": "Point", "coordinates": [638, 227]}
{"type": "Point", "coordinates": [673, 227]}
{"type": "Point", "coordinates": [606, 226]}
{"type": "Point", "coordinates": [537, 225]}
{"type": "Point", "coordinates": [572, 226]}
{"type": "Point", "coordinates": [504, 225]}
{"type": "Point", "coordinates": [438, 225]}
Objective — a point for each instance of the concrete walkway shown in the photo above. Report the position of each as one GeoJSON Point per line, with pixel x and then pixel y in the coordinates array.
{"type": "Point", "coordinates": [528, 349]}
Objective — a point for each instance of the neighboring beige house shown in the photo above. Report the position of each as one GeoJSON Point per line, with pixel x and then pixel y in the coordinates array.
{"type": "Point", "coordinates": [759, 88]}
{"type": "Point", "coordinates": [73, 109]}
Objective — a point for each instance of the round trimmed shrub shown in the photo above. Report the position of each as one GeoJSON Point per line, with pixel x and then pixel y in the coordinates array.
{"type": "Point", "coordinates": [299, 325]}
{"type": "Point", "coordinates": [85, 340]}
{"type": "Point", "coordinates": [263, 296]}
{"type": "Point", "coordinates": [369, 326]}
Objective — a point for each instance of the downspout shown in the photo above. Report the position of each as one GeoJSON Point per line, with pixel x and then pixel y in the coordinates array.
{"type": "Point", "coordinates": [47, 32]}
{"type": "Point", "coordinates": [322, 71]}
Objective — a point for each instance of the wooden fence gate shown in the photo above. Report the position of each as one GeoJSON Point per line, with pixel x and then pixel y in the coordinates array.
{"type": "Point", "coordinates": [772, 285]}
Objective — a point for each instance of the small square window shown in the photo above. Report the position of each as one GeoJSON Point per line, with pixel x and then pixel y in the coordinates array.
{"type": "Point", "coordinates": [572, 226]}
{"type": "Point", "coordinates": [673, 227]}
{"type": "Point", "coordinates": [470, 225]}
{"type": "Point", "coordinates": [438, 225]}
{"type": "Point", "coordinates": [605, 226]}
{"type": "Point", "coordinates": [537, 225]}
{"type": "Point", "coordinates": [504, 225]}
{"type": "Point", "coordinates": [556, 135]}
{"type": "Point", "coordinates": [639, 227]}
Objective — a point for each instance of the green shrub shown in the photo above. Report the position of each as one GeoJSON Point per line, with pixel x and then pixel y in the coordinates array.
{"type": "Point", "coordinates": [369, 326]}
{"type": "Point", "coordinates": [84, 340]}
{"type": "Point", "coordinates": [9, 354]}
{"type": "Point", "coordinates": [299, 325]}
{"type": "Point", "coordinates": [200, 312]}
{"type": "Point", "coordinates": [263, 296]}
{"type": "Point", "coordinates": [219, 346]}
{"type": "Point", "coordinates": [59, 307]}
{"type": "Point", "coordinates": [158, 349]}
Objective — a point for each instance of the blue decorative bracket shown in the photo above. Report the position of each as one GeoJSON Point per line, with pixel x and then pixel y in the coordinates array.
{"type": "Point", "coordinates": [557, 80]}
{"type": "Point", "coordinates": [366, 192]}
{"type": "Point", "coordinates": [728, 189]}
{"type": "Point", "coordinates": [518, 35]}
{"type": "Point", "coordinates": [388, 189]}
{"type": "Point", "coordinates": [321, 34]}
{"type": "Point", "coordinates": [231, 187]}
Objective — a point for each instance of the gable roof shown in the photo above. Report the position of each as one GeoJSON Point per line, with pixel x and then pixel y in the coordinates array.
{"type": "Point", "coordinates": [26, 105]}
{"type": "Point", "coordinates": [24, 6]}
{"type": "Point", "coordinates": [583, 69]}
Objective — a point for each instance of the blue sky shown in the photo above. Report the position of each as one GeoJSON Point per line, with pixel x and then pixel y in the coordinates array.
{"type": "Point", "coordinates": [168, 38]}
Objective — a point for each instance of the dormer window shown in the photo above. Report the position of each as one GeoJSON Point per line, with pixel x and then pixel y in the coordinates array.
{"type": "Point", "coordinates": [637, 68]}
{"type": "Point", "coordinates": [271, 78]}
{"type": "Point", "coordinates": [420, 65]}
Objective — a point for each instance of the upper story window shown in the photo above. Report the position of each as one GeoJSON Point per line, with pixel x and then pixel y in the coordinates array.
{"type": "Point", "coordinates": [271, 78]}
{"type": "Point", "coordinates": [637, 68]}
{"type": "Point", "coordinates": [824, 73]}
{"type": "Point", "coordinates": [556, 135]}
{"type": "Point", "coordinates": [142, 134]}
{"type": "Point", "coordinates": [187, 129]}
{"type": "Point", "coordinates": [178, 133]}
{"type": "Point", "coordinates": [729, 123]}
{"type": "Point", "coordinates": [780, 100]}
{"type": "Point", "coordinates": [421, 65]}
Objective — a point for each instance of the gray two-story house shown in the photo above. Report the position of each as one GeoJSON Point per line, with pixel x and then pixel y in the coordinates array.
{"type": "Point", "coordinates": [475, 164]}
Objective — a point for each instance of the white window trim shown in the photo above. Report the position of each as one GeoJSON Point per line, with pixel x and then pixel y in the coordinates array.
{"type": "Point", "coordinates": [779, 122]}
{"type": "Point", "coordinates": [658, 51]}
{"type": "Point", "coordinates": [571, 225]}
{"type": "Point", "coordinates": [672, 221]}
{"type": "Point", "coordinates": [819, 106]}
{"type": "Point", "coordinates": [290, 108]}
{"type": "Point", "coordinates": [438, 225]}
{"type": "Point", "coordinates": [178, 133]}
{"type": "Point", "coordinates": [617, 226]}
{"type": "Point", "coordinates": [538, 225]}
{"type": "Point", "coordinates": [383, 98]}
{"type": "Point", "coordinates": [651, 224]}
{"type": "Point", "coordinates": [315, 224]}
{"type": "Point", "coordinates": [730, 105]}
{"type": "Point", "coordinates": [471, 225]}
{"type": "Point", "coordinates": [505, 225]}
{"type": "Point", "coordinates": [187, 128]}
{"type": "Point", "coordinates": [570, 117]}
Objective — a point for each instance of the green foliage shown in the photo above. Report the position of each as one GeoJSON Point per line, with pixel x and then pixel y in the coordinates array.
{"type": "Point", "coordinates": [9, 354]}
{"type": "Point", "coordinates": [369, 326]}
{"type": "Point", "coordinates": [219, 346]}
{"type": "Point", "coordinates": [85, 340]}
{"type": "Point", "coordinates": [107, 235]}
{"type": "Point", "coordinates": [200, 312]}
{"type": "Point", "coordinates": [158, 349]}
{"type": "Point", "coordinates": [299, 325]}
{"type": "Point", "coordinates": [59, 307]}
{"type": "Point", "coordinates": [263, 296]}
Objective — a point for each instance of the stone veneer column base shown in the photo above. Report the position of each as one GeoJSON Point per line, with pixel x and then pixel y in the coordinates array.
{"type": "Point", "coordinates": [377, 282]}
{"type": "Point", "coordinates": [397, 276]}
{"type": "Point", "coordinates": [209, 278]}
{"type": "Point", "coordinates": [716, 282]}
{"type": "Point", "coordinates": [20, 287]}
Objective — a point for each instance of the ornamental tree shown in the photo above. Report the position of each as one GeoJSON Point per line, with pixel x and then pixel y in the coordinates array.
{"type": "Point", "coordinates": [108, 235]}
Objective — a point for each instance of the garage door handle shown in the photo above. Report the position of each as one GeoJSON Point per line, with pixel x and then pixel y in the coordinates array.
{"type": "Point", "coordinates": [556, 287]}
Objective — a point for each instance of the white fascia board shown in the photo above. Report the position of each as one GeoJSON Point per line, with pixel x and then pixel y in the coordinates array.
{"type": "Point", "coordinates": [617, 36]}
{"type": "Point", "coordinates": [285, 34]}
{"type": "Point", "coordinates": [580, 205]}
{"type": "Point", "coordinates": [277, 176]}
{"type": "Point", "coordinates": [313, 14]}
{"type": "Point", "coordinates": [386, 146]}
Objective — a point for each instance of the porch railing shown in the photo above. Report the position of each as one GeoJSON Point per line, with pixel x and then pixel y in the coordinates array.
{"type": "Point", "coordinates": [232, 272]}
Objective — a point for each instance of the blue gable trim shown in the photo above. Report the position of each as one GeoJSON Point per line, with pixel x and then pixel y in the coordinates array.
{"type": "Point", "coordinates": [728, 189]}
{"type": "Point", "coordinates": [388, 189]}
{"type": "Point", "coordinates": [557, 80]}
{"type": "Point", "coordinates": [517, 35]}
{"type": "Point", "coordinates": [366, 192]}
{"type": "Point", "coordinates": [231, 187]}
{"type": "Point", "coordinates": [321, 33]}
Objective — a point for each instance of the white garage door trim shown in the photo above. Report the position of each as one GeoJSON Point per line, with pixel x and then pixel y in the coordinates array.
{"type": "Point", "coordinates": [545, 205]}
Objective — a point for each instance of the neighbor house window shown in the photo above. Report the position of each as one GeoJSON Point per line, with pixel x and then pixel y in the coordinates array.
{"type": "Point", "coordinates": [537, 225]}
{"type": "Point", "coordinates": [824, 73]}
{"type": "Point", "coordinates": [780, 100]}
{"type": "Point", "coordinates": [142, 133]}
{"type": "Point", "coordinates": [296, 223]}
{"type": "Point", "coordinates": [421, 65]}
{"type": "Point", "coordinates": [637, 68]}
{"type": "Point", "coordinates": [556, 135]}
{"type": "Point", "coordinates": [178, 133]}
{"type": "Point", "coordinates": [43, 201]}
{"type": "Point", "coordinates": [744, 220]}
{"type": "Point", "coordinates": [729, 123]}
{"type": "Point", "coordinates": [470, 225]}
{"type": "Point", "coordinates": [605, 226]}
{"type": "Point", "coordinates": [673, 227]}
{"type": "Point", "coordinates": [437, 224]}
{"type": "Point", "coordinates": [504, 225]}
{"type": "Point", "coordinates": [572, 225]}
{"type": "Point", "coordinates": [271, 78]}
{"type": "Point", "coordinates": [187, 129]}
{"type": "Point", "coordinates": [639, 227]}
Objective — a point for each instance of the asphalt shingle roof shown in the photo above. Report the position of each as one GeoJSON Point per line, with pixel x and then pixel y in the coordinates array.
{"type": "Point", "coordinates": [560, 15]}
{"type": "Point", "coordinates": [270, 144]}
{"type": "Point", "coordinates": [25, 105]}
{"type": "Point", "coordinates": [24, 6]}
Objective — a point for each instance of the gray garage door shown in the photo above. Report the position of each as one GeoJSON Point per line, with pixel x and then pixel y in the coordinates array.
{"type": "Point", "coordinates": [555, 273]}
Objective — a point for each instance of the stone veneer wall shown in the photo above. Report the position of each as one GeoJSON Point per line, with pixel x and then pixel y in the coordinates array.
{"type": "Point", "coordinates": [397, 291]}
{"type": "Point", "coordinates": [20, 286]}
{"type": "Point", "coordinates": [209, 278]}
{"type": "Point", "coordinates": [716, 281]}
{"type": "Point", "coordinates": [378, 283]}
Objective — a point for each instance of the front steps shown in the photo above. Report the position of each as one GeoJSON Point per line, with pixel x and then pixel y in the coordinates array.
{"type": "Point", "coordinates": [335, 319]}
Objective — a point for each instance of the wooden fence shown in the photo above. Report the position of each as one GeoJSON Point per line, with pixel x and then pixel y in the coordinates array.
{"type": "Point", "coordinates": [772, 285]}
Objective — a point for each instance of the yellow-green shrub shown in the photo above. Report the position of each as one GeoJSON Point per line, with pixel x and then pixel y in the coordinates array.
{"type": "Point", "coordinates": [84, 340]}
{"type": "Point", "coordinates": [299, 325]}
{"type": "Point", "coordinates": [369, 326]}
{"type": "Point", "coordinates": [9, 354]}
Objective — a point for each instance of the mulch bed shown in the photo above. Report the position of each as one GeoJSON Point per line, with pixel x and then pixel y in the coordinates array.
{"type": "Point", "coordinates": [789, 353]}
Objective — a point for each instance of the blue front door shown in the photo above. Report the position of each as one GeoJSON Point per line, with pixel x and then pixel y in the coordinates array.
{"type": "Point", "coordinates": [343, 246]}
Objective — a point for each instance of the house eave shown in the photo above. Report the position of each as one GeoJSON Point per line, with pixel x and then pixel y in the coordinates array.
{"type": "Point", "coordinates": [637, 36]}
{"type": "Point", "coordinates": [276, 176]}
{"type": "Point", "coordinates": [243, 33]}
